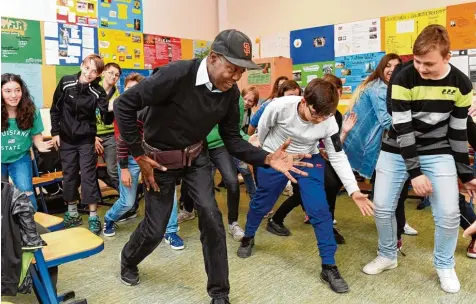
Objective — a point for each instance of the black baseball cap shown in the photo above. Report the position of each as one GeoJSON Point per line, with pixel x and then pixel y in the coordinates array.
{"type": "Point", "coordinates": [235, 46]}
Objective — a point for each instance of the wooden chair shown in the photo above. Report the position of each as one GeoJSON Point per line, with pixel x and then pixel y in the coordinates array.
{"type": "Point", "coordinates": [50, 222]}
{"type": "Point", "coordinates": [64, 246]}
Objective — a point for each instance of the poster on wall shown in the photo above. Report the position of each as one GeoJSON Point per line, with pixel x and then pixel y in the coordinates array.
{"type": "Point", "coordinates": [261, 76]}
{"type": "Point", "coordinates": [304, 73]}
{"type": "Point", "coordinates": [68, 44]}
{"type": "Point", "coordinates": [121, 15]}
{"type": "Point", "coordinates": [31, 74]}
{"type": "Point", "coordinates": [275, 45]}
{"type": "Point", "coordinates": [312, 44]}
{"type": "Point", "coordinates": [21, 41]}
{"type": "Point", "coordinates": [355, 69]}
{"type": "Point", "coordinates": [126, 72]}
{"type": "Point", "coordinates": [82, 12]}
{"type": "Point", "coordinates": [201, 48]}
{"type": "Point", "coordinates": [465, 61]}
{"type": "Point", "coordinates": [461, 25]}
{"type": "Point", "coordinates": [160, 50]}
{"type": "Point", "coordinates": [357, 37]}
{"type": "Point", "coordinates": [65, 70]}
{"type": "Point", "coordinates": [123, 48]}
{"type": "Point", "coordinates": [402, 30]}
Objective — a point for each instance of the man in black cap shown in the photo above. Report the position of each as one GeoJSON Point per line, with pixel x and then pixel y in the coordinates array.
{"type": "Point", "coordinates": [186, 99]}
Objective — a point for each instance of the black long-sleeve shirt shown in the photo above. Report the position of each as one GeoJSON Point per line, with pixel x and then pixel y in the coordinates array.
{"type": "Point", "coordinates": [182, 111]}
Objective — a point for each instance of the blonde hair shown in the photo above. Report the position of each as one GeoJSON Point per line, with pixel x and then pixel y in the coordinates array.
{"type": "Point", "coordinates": [133, 77]}
{"type": "Point", "coordinates": [97, 61]}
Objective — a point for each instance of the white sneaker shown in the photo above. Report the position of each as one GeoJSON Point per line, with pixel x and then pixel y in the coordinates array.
{"type": "Point", "coordinates": [408, 230]}
{"type": "Point", "coordinates": [380, 264]}
{"type": "Point", "coordinates": [288, 191]}
{"type": "Point", "coordinates": [448, 280]}
{"type": "Point", "coordinates": [334, 222]}
{"type": "Point", "coordinates": [236, 231]}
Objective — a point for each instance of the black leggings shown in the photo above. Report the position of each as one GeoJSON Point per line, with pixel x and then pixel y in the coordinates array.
{"type": "Point", "coordinates": [332, 187]}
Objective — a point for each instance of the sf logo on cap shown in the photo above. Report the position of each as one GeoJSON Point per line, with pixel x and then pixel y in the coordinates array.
{"type": "Point", "coordinates": [246, 48]}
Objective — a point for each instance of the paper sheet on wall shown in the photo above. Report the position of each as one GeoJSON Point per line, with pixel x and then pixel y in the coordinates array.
{"type": "Point", "coordinates": [357, 37]}
{"type": "Point", "coordinates": [462, 63]}
{"type": "Point", "coordinates": [51, 29]}
{"type": "Point", "coordinates": [31, 74]}
{"type": "Point", "coordinates": [21, 41]}
{"type": "Point", "coordinates": [124, 15]}
{"type": "Point", "coordinates": [275, 45]}
{"type": "Point", "coordinates": [461, 25]}
{"type": "Point", "coordinates": [80, 12]}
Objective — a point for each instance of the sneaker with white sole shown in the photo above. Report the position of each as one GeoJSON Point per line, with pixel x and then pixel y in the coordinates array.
{"type": "Point", "coordinates": [409, 230]}
{"type": "Point", "coordinates": [448, 280]}
{"type": "Point", "coordinates": [174, 240]}
{"type": "Point", "coordinates": [379, 264]}
{"type": "Point", "coordinates": [236, 231]}
{"type": "Point", "coordinates": [185, 216]}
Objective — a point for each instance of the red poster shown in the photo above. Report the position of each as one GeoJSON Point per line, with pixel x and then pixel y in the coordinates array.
{"type": "Point", "coordinates": [160, 50]}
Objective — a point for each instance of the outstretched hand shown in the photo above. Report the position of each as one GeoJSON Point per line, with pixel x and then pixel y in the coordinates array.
{"type": "Point", "coordinates": [285, 162]}
{"type": "Point", "coordinates": [365, 205]}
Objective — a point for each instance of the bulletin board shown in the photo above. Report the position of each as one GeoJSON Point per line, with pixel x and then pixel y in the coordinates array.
{"type": "Point", "coordinates": [312, 44]}
{"type": "Point", "coordinates": [304, 73]}
{"type": "Point", "coordinates": [355, 69]}
{"type": "Point", "coordinates": [461, 25]}
{"type": "Point", "coordinates": [402, 30]}
{"type": "Point", "coordinates": [82, 12]}
{"type": "Point", "coordinates": [21, 41]}
{"type": "Point", "coordinates": [68, 44]}
{"type": "Point", "coordinates": [161, 50]}
{"type": "Point", "coordinates": [121, 15]}
{"type": "Point", "coordinates": [123, 48]}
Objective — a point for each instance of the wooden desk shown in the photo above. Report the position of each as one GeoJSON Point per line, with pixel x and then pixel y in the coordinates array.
{"type": "Point", "coordinates": [69, 245]}
{"type": "Point", "coordinates": [50, 222]}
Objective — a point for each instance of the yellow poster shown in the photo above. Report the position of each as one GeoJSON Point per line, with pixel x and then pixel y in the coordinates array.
{"type": "Point", "coordinates": [82, 12]}
{"type": "Point", "coordinates": [124, 48]}
{"type": "Point", "coordinates": [402, 30]}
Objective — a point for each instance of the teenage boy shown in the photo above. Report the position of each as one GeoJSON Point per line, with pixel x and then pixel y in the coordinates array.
{"type": "Point", "coordinates": [428, 143]}
{"type": "Point", "coordinates": [307, 120]}
{"type": "Point", "coordinates": [105, 141]}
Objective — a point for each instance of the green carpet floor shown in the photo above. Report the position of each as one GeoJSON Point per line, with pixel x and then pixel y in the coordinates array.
{"type": "Point", "coordinates": [281, 269]}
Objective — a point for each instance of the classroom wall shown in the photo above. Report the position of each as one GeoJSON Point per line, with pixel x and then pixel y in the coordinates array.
{"type": "Point", "coordinates": [265, 17]}
{"type": "Point", "coordinates": [192, 19]}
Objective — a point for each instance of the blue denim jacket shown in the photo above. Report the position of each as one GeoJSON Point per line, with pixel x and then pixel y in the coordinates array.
{"type": "Point", "coordinates": [364, 141]}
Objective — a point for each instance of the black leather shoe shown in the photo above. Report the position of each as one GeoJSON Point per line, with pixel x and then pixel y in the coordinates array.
{"type": "Point", "coordinates": [244, 251]}
{"type": "Point", "coordinates": [339, 238]}
{"type": "Point", "coordinates": [278, 229]}
{"type": "Point", "coordinates": [220, 301]}
{"type": "Point", "coordinates": [330, 275]}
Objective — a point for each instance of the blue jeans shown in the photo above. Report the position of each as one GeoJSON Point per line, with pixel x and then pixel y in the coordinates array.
{"type": "Point", "coordinates": [22, 176]}
{"type": "Point", "coordinates": [244, 169]}
{"type": "Point", "coordinates": [127, 195]}
{"type": "Point", "coordinates": [391, 176]}
{"type": "Point", "coordinates": [172, 226]}
{"type": "Point", "coordinates": [271, 184]}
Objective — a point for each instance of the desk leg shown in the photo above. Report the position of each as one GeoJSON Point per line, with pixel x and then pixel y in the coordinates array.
{"type": "Point", "coordinates": [45, 276]}
{"type": "Point", "coordinates": [40, 289]}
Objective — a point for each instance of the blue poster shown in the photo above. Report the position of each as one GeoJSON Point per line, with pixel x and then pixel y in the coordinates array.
{"type": "Point", "coordinates": [69, 44]}
{"type": "Point", "coordinates": [124, 15]}
{"type": "Point", "coordinates": [31, 74]}
{"type": "Point", "coordinates": [126, 72]}
{"type": "Point", "coordinates": [312, 44]}
{"type": "Point", "coordinates": [355, 69]}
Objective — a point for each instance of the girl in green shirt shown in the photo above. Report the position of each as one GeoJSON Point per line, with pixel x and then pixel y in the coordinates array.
{"type": "Point", "coordinates": [21, 127]}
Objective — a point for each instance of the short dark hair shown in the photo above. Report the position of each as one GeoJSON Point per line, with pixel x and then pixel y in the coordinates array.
{"type": "Point", "coordinates": [114, 65]}
{"type": "Point", "coordinates": [334, 80]}
{"type": "Point", "coordinates": [323, 96]}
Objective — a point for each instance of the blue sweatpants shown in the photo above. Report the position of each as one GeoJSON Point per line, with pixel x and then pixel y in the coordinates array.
{"type": "Point", "coordinates": [271, 184]}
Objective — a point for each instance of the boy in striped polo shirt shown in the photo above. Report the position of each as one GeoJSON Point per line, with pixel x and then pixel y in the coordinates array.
{"type": "Point", "coordinates": [429, 144]}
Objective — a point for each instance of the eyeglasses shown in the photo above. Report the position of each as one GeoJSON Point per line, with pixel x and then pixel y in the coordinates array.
{"type": "Point", "coordinates": [317, 116]}
{"type": "Point", "coordinates": [112, 74]}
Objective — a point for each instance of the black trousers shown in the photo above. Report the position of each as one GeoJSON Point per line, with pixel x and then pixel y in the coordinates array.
{"type": "Point", "coordinates": [467, 214]}
{"type": "Point", "coordinates": [158, 206]}
{"type": "Point", "coordinates": [223, 161]}
{"type": "Point", "coordinates": [76, 158]}
{"type": "Point", "coordinates": [332, 187]}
